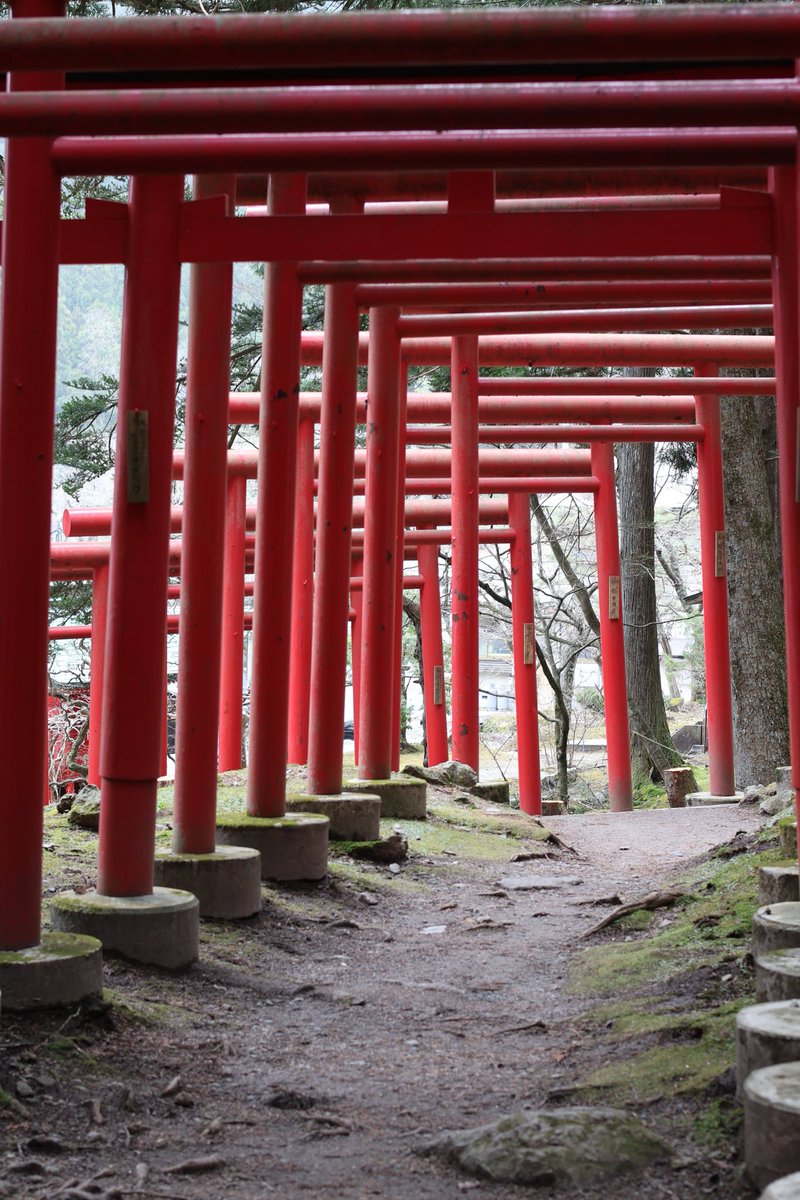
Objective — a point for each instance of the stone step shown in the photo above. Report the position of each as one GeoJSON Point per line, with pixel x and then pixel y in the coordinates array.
{"type": "Point", "coordinates": [771, 1122]}
{"type": "Point", "coordinates": [766, 1034]}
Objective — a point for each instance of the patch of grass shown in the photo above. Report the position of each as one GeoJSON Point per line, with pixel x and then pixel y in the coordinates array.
{"type": "Point", "coordinates": [672, 1035]}
{"type": "Point", "coordinates": [698, 1047]}
{"type": "Point", "coordinates": [712, 923]}
{"type": "Point", "coordinates": [719, 1123]}
{"type": "Point", "coordinates": [650, 795]}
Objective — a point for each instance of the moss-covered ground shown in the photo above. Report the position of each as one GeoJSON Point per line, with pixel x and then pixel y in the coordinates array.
{"type": "Point", "coordinates": [664, 989]}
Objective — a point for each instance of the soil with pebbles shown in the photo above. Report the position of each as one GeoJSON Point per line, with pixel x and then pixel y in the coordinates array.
{"type": "Point", "coordinates": [316, 1046]}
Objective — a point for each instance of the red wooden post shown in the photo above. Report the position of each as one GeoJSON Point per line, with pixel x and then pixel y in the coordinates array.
{"type": "Point", "coordinates": [277, 474]}
{"type": "Point", "coordinates": [335, 515]}
{"type": "Point", "coordinates": [27, 411]}
{"type": "Point", "coordinates": [464, 603]}
{"type": "Point", "coordinates": [432, 655]}
{"type": "Point", "coordinates": [612, 637]}
{"type": "Point", "coordinates": [231, 698]}
{"type": "Point", "coordinates": [356, 639]}
{"type": "Point", "coordinates": [99, 622]}
{"type": "Point", "coordinates": [302, 596]}
{"type": "Point", "coordinates": [524, 645]}
{"type": "Point", "coordinates": [397, 665]}
{"type": "Point", "coordinates": [380, 546]}
{"type": "Point", "coordinates": [783, 186]}
{"type": "Point", "coordinates": [203, 535]}
{"type": "Point", "coordinates": [137, 618]}
{"type": "Point", "coordinates": [715, 593]}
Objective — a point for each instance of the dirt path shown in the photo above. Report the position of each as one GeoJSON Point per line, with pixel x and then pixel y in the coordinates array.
{"type": "Point", "coordinates": [319, 1044]}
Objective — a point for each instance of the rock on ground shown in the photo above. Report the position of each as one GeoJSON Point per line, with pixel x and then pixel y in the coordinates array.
{"type": "Point", "coordinates": [85, 812]}
{"type": "Point", "coordinates": [446, 774]}
{"type": "Point", "coordinates": [576, 1146]}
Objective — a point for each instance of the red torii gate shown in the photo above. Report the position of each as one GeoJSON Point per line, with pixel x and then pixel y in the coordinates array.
{"type": "Point", "coordinates": [156, 234]}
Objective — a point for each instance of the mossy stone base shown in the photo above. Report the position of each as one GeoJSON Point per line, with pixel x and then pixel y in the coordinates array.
{"type": "Point", "coordinates": [494, 793]}
{"type": "Point", "coordinates": [778, 883]}
{"type": "Point", "coordinates": [766, 1034]}
{"type": "Point", "coordinates": [402, 798]}
{"type": "Point", "coordinates": [64, 969]}
{"type": "Point", "coordinates": [778, 975]}
{"type": "Point", "coordinates": [227, 883]}
{"type": "Point", "coordinates": [702, 799]}
{"type": "Point", "coordinates": [776, 927]}
{"type": "Point", "coordinates": [771, 1121]}
{"type": "Point", "coordinates": [553, 808]}
{"type": "Point", "coordinates": [161, 929]}
{"type": "Point", "coordinates": [353, 818]}
{"type": "Point", "coordinates": [292, 849]}
{"type": "Point", "coordinates": [787, 836]}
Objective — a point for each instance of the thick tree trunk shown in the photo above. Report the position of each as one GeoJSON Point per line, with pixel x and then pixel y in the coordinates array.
{"type": "Point", "coordinates": [651, 744]}
{"type": "Point", "coordinates": [758, 665]}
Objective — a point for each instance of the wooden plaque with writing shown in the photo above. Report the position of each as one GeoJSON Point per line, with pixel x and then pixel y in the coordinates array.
{"type": "Point", "coordinates": [137, 457]}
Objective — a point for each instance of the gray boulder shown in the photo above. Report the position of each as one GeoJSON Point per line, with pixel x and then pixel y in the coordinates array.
{"type": "Point", "coordinates": [446, 774]}
{"type": "Point", "coordinates": [567, 1146]}
{"type": "Point", "coordinates": [85, 812]}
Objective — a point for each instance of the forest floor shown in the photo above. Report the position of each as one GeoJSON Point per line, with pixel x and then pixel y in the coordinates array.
{"type": "Point", "coordinates": [315, 1047]}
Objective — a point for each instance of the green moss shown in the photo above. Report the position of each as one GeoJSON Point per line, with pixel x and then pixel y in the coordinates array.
{"type": "Point", "coordinates": [708, 926]}
{"type": "Point", "coordinates": [354, 849]}
{"type": "Point", "coordinates": [650, 795]}
{"type": "Point", "coordinates": [243, 820]}
{"type": "Point", "coordinates": [7, 1101]}
{"type": "Point", "coordinates": [701, 1047]}
{"type": "Point", "coordinates": [361, 877]}
{"type": "Point", "coordinates": [58, 945]}
{"type": "Point", "coordinates": [70, 1047]}
{"type": "Point", "coordinates": [719, 1123]}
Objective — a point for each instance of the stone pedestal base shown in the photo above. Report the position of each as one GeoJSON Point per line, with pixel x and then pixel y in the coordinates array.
{"type": "Point", "coordinates": [402, 798]}
{"type": "Point", "coordinates": [64, 969]}
{"type": "Point", "coordinates": [701, 799]}
{"type": "Point", "coordinates": [227, 883]}
{"type": "Point", "coordinates": [778, 884]}
{"type": "Point", "coordinates": [771, 1121]}
{"type": "Point", "coordinates": [778, 975]}
{"type": "Point", "coordinates": [787, 836]}
{"type": "Point", "coordinates": [553, 808]}
{"type": "Point", "coordinates": [292, 849]}
{"type": "Point", "coordinates": [787, 1188]}
{"type": "Point", "coordinates": [353, 818]}
{"type": "Point", "coordinates": [776, 927]}
{"type": "Point", "coordinates": [766, 1034]}
{"type": "Point", "coordinates": [161, 929]}
{"type": "Point", "coordinates": [494, 793]}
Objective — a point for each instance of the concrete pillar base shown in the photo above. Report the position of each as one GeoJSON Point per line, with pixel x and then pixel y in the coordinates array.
{"type": "Point", "coordinates": [227, 883]}
{"type": "Point", "coordinates": [354, 818]}
{"type": "Point", "coordinates": [778, 884]}
{"type": "Point", "coordinates": [776, 927]}
{"type": "Point", "coordinates": [701, 799]}
{"type": "Point", "coordinates": [778, 975]}
{"type": "Point", "coordinates": [787, 1188]}
{"type": "Point", "coordinates": [766, 1034]}
{"type": "Point", "coordinates": [783, 776]}
{"type": "Point", "coordinates": [64, 969]}
{"type": "Point", "coordinates": [161, 929]}
{"type": "Point", "coordinates": [495, 793]}
{"type": "Point", "coordinates": [402, 798]}
{"type": "Point", "coordinates": [771, 1121]}
{"type": "Point", "coordinates": [787, 836]}
{"type": "Point", "coordinates": [553, 808]}
{"type": "Point", "coordinates": [292, 848]}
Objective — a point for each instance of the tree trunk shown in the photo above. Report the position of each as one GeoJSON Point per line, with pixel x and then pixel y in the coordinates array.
{"type": "Point", "coordinates": [758, 664]}
{"type": "Point", "coordinates": [680, 783]}
{"type": "Point", "coordinates": [651, 744]}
